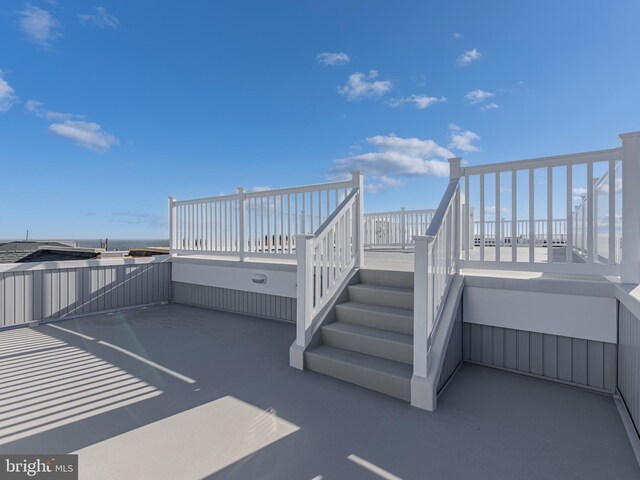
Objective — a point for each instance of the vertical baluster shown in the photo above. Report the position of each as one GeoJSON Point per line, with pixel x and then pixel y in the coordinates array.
{"type": "Point", "coordinates": [532, 225]}
{"type": "Point", "coordinates": [569, 247]}
{"type": "Point", "coordinates": [590, 217]}
{"type": "Point", "coordinates": [482, 213]}
{"type": "Point", "coordinates": [549, 214]}
{"type": "Point", "coordinates": [311, 210]}
{"type": "Point", "coordinates": [467, 235]}
{"type": "Point", "coordinates": [514, 215]}
{"type": "Point", "coordinates": [280, 229]}
{"type": "Point", "coordinates": [498, 232]}
{"type": "Point", "coordinates": [612, 212]}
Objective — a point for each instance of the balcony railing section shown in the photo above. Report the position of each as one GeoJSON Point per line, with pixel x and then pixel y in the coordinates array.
{"type": "Point", "coordinates": [252, 224]}
{"type": "Point", "coordinates": [325, 261]}
{"type": "Point", "coordinates": [435, 264]}
{"type": "Point", "coordinates": [396, 228]}
{"type": "Point", "coordinates": [557, 214]}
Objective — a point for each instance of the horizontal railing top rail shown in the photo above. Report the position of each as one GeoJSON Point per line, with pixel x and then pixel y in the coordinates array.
{"type": "Point", "coordinates": [263, 223]}
{"type": "Point", "coordinates": [404, 210]}
{"type": "Point", "coordinates": [590, 233]}
{"type": "Point", "coordinates": [304, 188]}
{"type": "Point", "coordinates": [541, 162]}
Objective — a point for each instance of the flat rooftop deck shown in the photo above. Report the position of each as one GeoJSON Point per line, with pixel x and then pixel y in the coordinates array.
{"type": "Point", "coordinates": [170, 392]}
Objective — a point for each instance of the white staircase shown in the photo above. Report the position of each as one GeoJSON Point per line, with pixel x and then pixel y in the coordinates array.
{"type": "Point", "coordinates": [371, 342]}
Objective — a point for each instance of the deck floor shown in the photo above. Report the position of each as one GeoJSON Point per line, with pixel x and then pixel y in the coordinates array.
{"type": "Point", "coordinates": [172, 391]}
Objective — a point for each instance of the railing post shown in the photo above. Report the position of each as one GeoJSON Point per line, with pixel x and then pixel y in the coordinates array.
{"type": "Point", "coordinates": [630, 263]}
{"type": "Point", "coordinates": [358, 182]}
{"type": "Point", "coordinates": [172, 227]}
{"type": "Point", "coordinates": [304, 296]}
{"type": "Point", "coordinates": [241, 201]}
{"type": "Point", "coordinates": [403, 227]}
{"type": "Point", "coordinates": [454, 174]}
{"type": "Point", "coordinates": [422, 323]}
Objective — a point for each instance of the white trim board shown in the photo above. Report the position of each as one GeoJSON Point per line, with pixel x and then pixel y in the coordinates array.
{"type": "Point", "coordinates": [576, 316]}
{"type": "Point", "coordinates": [280, 283]}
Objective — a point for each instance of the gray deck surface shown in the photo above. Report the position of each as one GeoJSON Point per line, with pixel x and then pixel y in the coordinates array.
{"type": "Point", "coordinates": [227, 405]}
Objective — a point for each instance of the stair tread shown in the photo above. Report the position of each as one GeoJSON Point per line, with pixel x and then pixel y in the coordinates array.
{"type": "Point", "coordinates": [376, 333]}
{"type": "Point", "coordinates": [376, 308]}
{"type": "Point", "coordinates": [362, 360]}
{"type": "Point", "coordinates": [369, 286]}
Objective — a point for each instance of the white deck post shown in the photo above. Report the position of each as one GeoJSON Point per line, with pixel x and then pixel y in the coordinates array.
{"type": "Point", "coordinates": [403, 228]}
{"type": "Point", "coordinates": [304, 295]}
{"type": "Point", "coordinates": [241, 238]}
{"type": "Point", "coordinates": [358, 182]}
{"type": "Point", "coordinates": [454, 174]}
{"type": "Point", "coordinates": [172, 226]}
{"type": "Point", "coordinates": [421, 394]}
{"type": "Point", "coordinates": [630, 264]}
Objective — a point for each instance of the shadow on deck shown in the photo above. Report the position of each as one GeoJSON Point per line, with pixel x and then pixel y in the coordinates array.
{"type": "Point", "coordinates": [182, 392]}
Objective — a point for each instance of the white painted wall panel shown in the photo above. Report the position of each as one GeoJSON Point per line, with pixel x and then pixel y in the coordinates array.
{"type": "Point", "coordinates": [279, 283]}
{"type": "Point", "coordinates": [576, 316]}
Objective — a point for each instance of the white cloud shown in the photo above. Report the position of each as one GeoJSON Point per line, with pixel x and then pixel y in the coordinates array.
{"type": "Point", "coordinates": [102, 18]}
{"type": "Point", "coordinates": [38, 25]}
{"type": "Point", "coordinates": [490, 106]}
{"type": "Point", "coordinates": [395, 157]}
{"type": "Point", "coordinates": [382, 183]}
{"type": "Point", "coordinates": [463, 140]}
{"type": "Point", "coordinates": [468, 57]}
{"type": "Point", "coordinates": [7, 94]}
{"type": "Point", "coordinates": [420, 101]}
{"type": "Point", "coordinates": [360, 86]}
{"type": "Point", "coordinates": [332, 58]}
{"type": "Point", "coordinates": [35, 107]}
{"type": "Point", "coordinates": [456, 36]}
{"type": "Point", "coordinates": [87, 134]}
{"type": "Point", "coordinates": [478, 96]}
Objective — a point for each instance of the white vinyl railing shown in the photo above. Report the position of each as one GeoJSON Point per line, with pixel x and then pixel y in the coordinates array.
{"type": "Point", "coordinates": [435, 263]}
{"type": "Point", "coordinates": [547, 242]}
{"type": "Point", "coordinates": [395, 229]}
{"type": "Point", "coordinates": [521, 234]}
{"type": "Point", "coordinates": [607, 248]}
{"type": "Point", "coordinates": [253, 224]}
{"type": "Point", "coordinates": [325, 260]}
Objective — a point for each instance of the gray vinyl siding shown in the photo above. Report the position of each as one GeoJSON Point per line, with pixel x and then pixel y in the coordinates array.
{"type": "Point", "coordinates": [629, 362]}
{"type": "Point", "coordinates": [34, 295]}
{"type": "Point", "coordinates": [585, 363]}
{"type": "Point", "coordinates": [248, 303]}
{"type": "Point", "coordinates": [453, 357]}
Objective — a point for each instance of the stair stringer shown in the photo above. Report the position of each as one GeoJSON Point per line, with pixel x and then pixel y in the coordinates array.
{"type": "Point", "coordinates": [424, 391]}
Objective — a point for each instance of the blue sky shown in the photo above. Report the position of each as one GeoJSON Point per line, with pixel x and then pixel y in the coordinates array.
{"type": "Point", "coordinates": [108, 108]}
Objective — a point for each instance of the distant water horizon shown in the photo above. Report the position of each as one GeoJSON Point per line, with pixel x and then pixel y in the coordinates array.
{"type": "Point", "coordinates": [114, 243]}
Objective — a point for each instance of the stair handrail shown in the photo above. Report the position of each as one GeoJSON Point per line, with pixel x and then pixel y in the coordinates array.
{"type": "Point", "coordinates": [324, 262]}
{"type": "Point", "coordinates": [435, 265]}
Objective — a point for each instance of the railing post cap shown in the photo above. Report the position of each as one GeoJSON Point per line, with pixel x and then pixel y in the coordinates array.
{"type": "Point", "coordinates": [423, 238]}
{"type": "Point", "coordinates": [454, 167]}
{"type": "Point", "coordinates": [241, 189]}
{"type": "Point", "coordinates": [624, 136]}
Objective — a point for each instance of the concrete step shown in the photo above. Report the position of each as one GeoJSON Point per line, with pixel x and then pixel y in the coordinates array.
{"type": "Point", "coordinates": [386, 278]}
{"type": "Point", "coordinates": [372, 341]}
{"type": "Point", "coordinates": [375, 316]}
{"type": "Point", "coordinates": [385, 296]}
{"type": "Point", "coordinates": [384, 376]}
